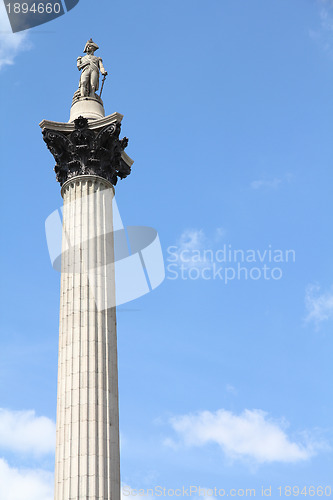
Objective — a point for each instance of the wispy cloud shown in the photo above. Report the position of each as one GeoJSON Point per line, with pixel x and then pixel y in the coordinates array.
{"type": "Point", "coordinates": [273, 183]}
{"type": "Point", "coordinates": [220, 233]}
{"type": "Point", "coordinates": [188, 250]}
{"type": "Point", "coordinates": [326, 18]}
{"type": "Point", "coordinates": [324, 34]}
{"type": "Point", "coordinates": [192, 239]}
{"type": "Point", "coordinates": [24, 484]}
{"type": "Point", "coordinates": [10, 43]}
{"type": "Point", "coordinates": [231, 389]}
{"type": "Point", "coordinates": [250, 435]}
{"type": "Point", "coordinates": [319, 305]}
{"type": "Point", "coordinates": [24, 432]}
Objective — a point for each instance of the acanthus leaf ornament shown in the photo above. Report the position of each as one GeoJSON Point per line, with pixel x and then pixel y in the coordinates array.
{"type": "Point", "coordinates": [86, 151]}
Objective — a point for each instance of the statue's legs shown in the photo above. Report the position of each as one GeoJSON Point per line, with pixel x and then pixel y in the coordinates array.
{"type": "Point", "coordinates": [84, 83]}
{"type": "Point", "coordinates": [93, 83]}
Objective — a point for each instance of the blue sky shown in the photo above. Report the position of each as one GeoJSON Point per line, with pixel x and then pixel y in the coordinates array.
{"type": "Point", "coordinates": [228, 106]}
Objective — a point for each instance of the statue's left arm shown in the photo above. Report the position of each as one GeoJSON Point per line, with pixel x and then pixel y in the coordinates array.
{"type": "Point", "coordinates": [101, 67]}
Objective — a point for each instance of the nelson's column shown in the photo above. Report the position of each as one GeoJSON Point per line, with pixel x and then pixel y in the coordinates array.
{"type": "Point", "coordinates": [89, 159]}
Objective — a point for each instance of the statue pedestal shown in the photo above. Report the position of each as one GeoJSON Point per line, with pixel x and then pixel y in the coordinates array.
{"type": "Point", "coordinates": [89, 107]}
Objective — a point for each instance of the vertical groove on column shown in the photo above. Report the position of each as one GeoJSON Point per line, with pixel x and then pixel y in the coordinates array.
{"type": "Point", "coordinates": [85, 453]}
{"type": "Point", "coordinates": [108, 343]}
{"type": "Point", "coordinates": [63, 305]}
{"type": "Point", "coordinates": [104, 349]}
{"type": "Point", "coordinates": [85, 307]}
{"type": "Point", "coordinates": [99, 326]}
{"type": "Point", "coordinates": [71, 458]}
{"type": "Point", "coordinates": [92, 410]}
{"type": "Point", "coordinates": [82, 328]}
{"type": "Point", "coordinates": [90, 326]}
{"type": "Point", "coordinates": [68, 280]}
{"type": "Point", "coordinates": [66, 337]}
{"type": "Point", "coordinates": [105, 346]}
{"type": "Point", "coordinates": [66, 408]}
{"type": "Point", "coordinates": [66, 340]}
{"type": "Point", "coordinates": [99, 365]}
{"type": "Point", "coordinates": [69, 409]}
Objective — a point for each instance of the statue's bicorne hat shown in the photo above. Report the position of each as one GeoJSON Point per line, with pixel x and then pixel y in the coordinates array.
{"type": "Point", "coordinates": [93, 44]}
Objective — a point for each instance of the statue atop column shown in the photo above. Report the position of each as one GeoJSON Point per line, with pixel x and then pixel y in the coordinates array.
{"type": "Point", "coordinates": [91, 66]}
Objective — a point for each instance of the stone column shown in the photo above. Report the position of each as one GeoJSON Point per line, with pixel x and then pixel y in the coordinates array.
{"type": "Point", "coordinates": [87, 450]}
{"type": "Point", "coordinates": [89, 160]}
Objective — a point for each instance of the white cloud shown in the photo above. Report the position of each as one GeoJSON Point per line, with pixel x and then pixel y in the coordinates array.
{"type": "Point", "coordinates": [319, 305]}
{"type": "Point", "coordinates": [192, 239]}
{"type": "Point", "coordinates": [326, 17]}
{"type": "Point", "coordinates": [274, 183]}
{"type": "Point", "coordinates": [220, 234]}
{"type": "Point", "coordinates": [10, 43]}
{"type": "Point", "coordinates": [323, 35]}
{"type": "Point", "coordinates": [189, 247]}
{"type": "Point", "coordinates": [271, 184]}
{"type": "Point", "coordinates": [250, 435]}
{"type": "Point", "coordinates": [24, 484]}
{"type": "Point", "coordinates": [194, 248]}
{"type": "Point", "coordinates": [24, 432]}
{"type": "Point", "coordinates": [231, 389]}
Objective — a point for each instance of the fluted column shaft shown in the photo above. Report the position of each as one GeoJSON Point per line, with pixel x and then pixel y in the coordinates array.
{"type": "Point", "coordinates": [87, 448]}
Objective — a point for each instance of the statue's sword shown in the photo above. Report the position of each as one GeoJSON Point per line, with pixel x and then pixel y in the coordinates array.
{"type": "Point", "coordinates": [103, 81]}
